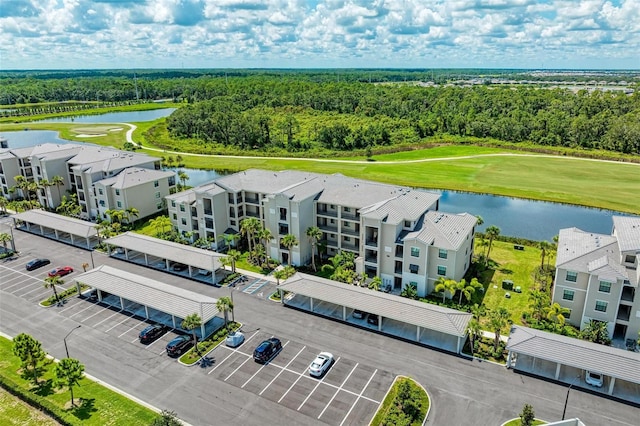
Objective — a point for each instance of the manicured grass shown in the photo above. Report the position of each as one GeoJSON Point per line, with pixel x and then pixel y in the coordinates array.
{"type": "Point", "coordinates": [419, 395]}
{"type": "Point", "coordinates": [518, 422]}
{"type": "Point", "coordinates": [191, 357]}
{"type": "Point", "coordinates": [97, 405]}
{"type": "Point", "coordinates": [14, 412]}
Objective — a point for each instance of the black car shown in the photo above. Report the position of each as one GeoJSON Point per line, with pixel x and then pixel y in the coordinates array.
{"type": "Point", "coordinates": [37, 263]}
{"type": "Point", "coordinates": [179, 345]}
{"type": "Point", "coordinates": [267, 350]}
{"type": "Point", "coordinates": [372, 319]}
{"type": "Point", "coordinates": [179, 267]}
{"type": "Point", "coordinates": [151, 333]}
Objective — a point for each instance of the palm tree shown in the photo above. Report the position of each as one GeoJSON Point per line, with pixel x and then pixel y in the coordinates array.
{"type": "Point", "coordinates": [191, 323]}
{"type": "Point", "coordinates": [544, 247]}
{"type": "Point", "coordinates": [479, 220]}
{"type": "Point", "coordinates": [132, 212]}
{"type": "Point", "coordinates": [22, 184]}
{"type": "Point", "coordinates": [233, 256]}
{"type": "Point", "coordinates": [466, 290]}
{"type": "Point", "coordinates": [375, 283]}
{"type": "Point", "coordinates": [52, 282]}
{"type": "Point", "coordinates": [224, 305]}
{"type": "Point", "coordinates": [160, 223]}
{"type": "Point", "coordinates": [538, 302]}
{"type": "Point", "coordinates": [183, 177]}
{"type": "Point", "coordinates": [279, 274]}
{"type": "Point", "coordinates": [116, 216]}
{"type": "Point", "coordinates": [289, 241]}
{"type": "Point", "coordinates": [497, 320]}
{"type": "Point", "coordinates": [556, 314]}
{"type": "Point", "coordinates": [265, 236]}
{"type": "Point", "coordinates": [4, 239]}
{"type": "Point", "coordinates": [248, 228]}
{"type": "Point", "coordinates": [3, 204]}
{"type": "Point", "coordinates": [474, 330]}
{"type": "Point", "coordinates": [58, 181]}
{"type": "Point", "coordinates": [596, 332]}
{"type": "Point", "coordinates": [314, 233]}
{"type": "Point", "coordinates": [492, 233]}
{"type": "Point", "coordinates": [445, 285]}
{"type": "Point", "coordinates": [230, 239]}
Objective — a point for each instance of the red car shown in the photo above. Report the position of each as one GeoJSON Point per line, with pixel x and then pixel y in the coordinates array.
{"type": "Point", "coordinates": [60, 271]}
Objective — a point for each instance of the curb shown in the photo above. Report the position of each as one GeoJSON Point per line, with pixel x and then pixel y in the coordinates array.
{"type": "Point", "coordinates": [426, 416]}
{"type": "Point", "coordinates": [206, 353]}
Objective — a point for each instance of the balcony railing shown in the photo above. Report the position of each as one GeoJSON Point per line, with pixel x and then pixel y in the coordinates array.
{"type": "Point", "coordinates": [628, 294]}
{"type": "Point", "coordinates": [330, 213]}
{"type": "Point", "coordinates": [252, 200]}
{"type": "Point", "coordinates": [350, 216]}
{"type": "Point", "coordinates": [208, 212]}
{"type": "Point", "coordinates": [371, 242]}
{"type": "Point", "coordinates": [350, 231]}
{"type": "Point", "coordinates": [328, 228]}
{"type": "Point", "coordinates": [347, 246]}
{"type": "Point", "coordinates": [624, 314]}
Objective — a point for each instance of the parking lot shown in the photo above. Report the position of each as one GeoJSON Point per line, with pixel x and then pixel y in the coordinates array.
{"type": "Point", "coordinates": [349, 393]}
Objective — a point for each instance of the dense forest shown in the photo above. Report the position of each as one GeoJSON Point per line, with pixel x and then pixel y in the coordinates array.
{"type": "Point", "coordinates": [271, 110]}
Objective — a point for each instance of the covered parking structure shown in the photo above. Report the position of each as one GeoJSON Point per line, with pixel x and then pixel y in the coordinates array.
{"type": "Point", "coordinates": [151, 299]}
{"type": "Point", "coordinates": [76, 232]}
{"type": "Point", "coordinates": [566, 359]}
{"type": "Point", "coordinates": [397, 316]}
{"type": "Point", "coordinates": [166, 255]}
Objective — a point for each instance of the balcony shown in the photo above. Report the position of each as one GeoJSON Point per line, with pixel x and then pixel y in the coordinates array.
{"type": "Point", "coordinates": [325, 212]}
{"type": "Point", "coordinates": [328, 228]}
{"type": "Point", "coordinates": [373, 242]}
{"type": "Point", "coordinates": [628, 294]}
{"type": "Point", "coordinates": [624, 313]}
{"type": "Point", "coordinates": [350, 216]}
{"type": "Point", "coordinates": [350, 231]}
{"type": "Point", "coordinates": [208, 212]}
{"type": "Point", "coordinates": [252, 200]}
{"type": "Point", "coordinates": [349, 246]}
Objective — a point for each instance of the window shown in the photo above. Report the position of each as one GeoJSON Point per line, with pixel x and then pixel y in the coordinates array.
{"type": "Point", "coordinates": [442, 253]}
{"type": "Point", "coordinates": [601, 306]}
{"type": "Point", "coordinates": [347, 209]}
{"type": "Point", "coordinates": [184, 221]}
{"type": "Point", "coordinates": [572, 276]}
{"type": "Point", "coordinates": [117, 192]}
{"type": "Point", "coordinates": [568, 295]}
{"type": "Point", "coordinates": [413, 268]}
{"type": "Point", "coordinates": [415, 252]}
{"type": "Point", "coordinates": [175, 216]}
{"type": "Point", "coordinates": [159, 205]}
{"type": "Point", "coordinates": [100, 191]}
{"type": "Point", "coordinates": [568, 315]}
{"type": "Point", "coordinates": [630, 258]}
{"type": "Point", "coordinates": [605, 287]}
{"type": "Point", "coordinates": [101, 203]}
{"type": "Point", "coordinates": [173, 203]}
{"type": "Point", "coordinates": [182, 207]}
{"type": "Point", "coordinates": [157, 194]}
{"type": "Point", "coordinates": [442, 271]}
{"type": "Point", "coordinates": [119, 204]}
{"type": "Point", "coordinates": [156, 184]}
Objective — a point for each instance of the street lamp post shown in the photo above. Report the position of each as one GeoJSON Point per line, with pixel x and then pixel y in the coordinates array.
{"type": "Point", "coordinates": [66, 349]}
{"type": "Point", "coordinates": [92, 264]}
{"type": "Point", "coordinates": [566, 400]}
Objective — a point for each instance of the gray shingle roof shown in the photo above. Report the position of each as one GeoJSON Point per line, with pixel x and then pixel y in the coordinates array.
{"type": "Point", "coordinates": [146, 291]}
{"type": "Point", "coordinates": [576, 353]}
{"type": "Point", "coordinates": [133, 176]}
{"type": "Point", "coordinates": [188, 196]}
{"type": "Point", "coordinates": [199, 258]}
{"type": "Point", "coordinates": [627, 229]}
{"type": "Point", "coordinates": [607, 268]}
{"type": "Point", "coordinates": [574, 244]}
{"type": "Point", "coordinates": [108, 159]}
{"type": "Point", "coordinates": [55, 221]}
{"type": "Point", "coordinates": [444, 230]}
{"type": "Point", "coordinates": [425, 315]}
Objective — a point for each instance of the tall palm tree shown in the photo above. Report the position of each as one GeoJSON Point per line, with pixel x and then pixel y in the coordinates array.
{"type": "Point", "coordinates": [479, 220]}
{"type": "Point", "coordinates": [492, 233]}
{"type": "Point", "coordinates": [21, 184]}
{"type": "Point", "coordinates": [192, 323]}
{"type": "Point", "coordinates": [375, 283]}
{"type": "Point", "coordinates": [289, 241]}
{"type": "Point", "coordinates": [58, 181]}
{"type": "Point", "coordinates": [4, 239]}
{"type": "Point", "coordinates": [160, 223]}
{"type": "Point", "coordinates": [132, 212]}
{"type": "Point", "coordinates": [445, 285]}
{"type": "Point", "coordinates": [183, 177]}
{"type": "Point", "coordinates": [233, 256]}
{"type": "Point", "coordinates": [279, 274]}
{"type": "Point", "coordinates": [544, 247]}
{"type": "Point", "coordinates": [230, 240]}
{"type": "Point", "coordinates": [474, 330]}
{"type": "Point", "coordinates": [556, 314]}
{"type": "Point", "coordinates": [248, 228]}
{"type": "Point", "coordinates": [52, 282]}
{"type": "Point", "coordinates": [466, 289]}
{"type": "Point", "coordinates": [538, 302]}
{"type": "Point", "coordinates": [497, 320]}
{"type": "Point", "coordinates": [225, 305]}
{"type": "Point", "coordinates": [314, 233]}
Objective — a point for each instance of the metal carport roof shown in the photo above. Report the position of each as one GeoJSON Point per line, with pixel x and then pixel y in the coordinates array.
{"type": "Point", "coordinates": [61, 223]}
{"type": "Point", "coordinates": [199, 258]}
{"type": "Point", "coordinates": [425, 315]}
{"type": "Point", "coordinates": [575, 353]}
{"type": "Point", "coordinates": [148, 292]}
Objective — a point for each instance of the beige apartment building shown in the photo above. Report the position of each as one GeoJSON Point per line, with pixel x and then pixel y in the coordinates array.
{"type": "Point", "coordinates": [597, 277]}
{"type": "Point", "coordinates": [395, 232]}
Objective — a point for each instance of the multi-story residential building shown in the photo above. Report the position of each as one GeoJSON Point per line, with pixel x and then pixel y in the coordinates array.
{"type": "Point", "coordinates": [143, 189]}
{"type": "Point", "coordinates": [395, 232]}
{"type": "Point", "coordinates": [597, 277]}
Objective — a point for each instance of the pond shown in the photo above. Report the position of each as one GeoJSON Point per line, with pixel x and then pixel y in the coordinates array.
{"type": "Point", "coordinates": [114, 117]}
{"type": "Point", "coordinates": [534, 220]}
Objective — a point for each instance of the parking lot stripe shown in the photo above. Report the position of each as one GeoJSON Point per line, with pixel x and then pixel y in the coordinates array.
{"type": "Point", "coordinates": [18, 272]}
{"type": "Point", "coordinates": [126, 318]}
{"type": "Point", "coordinates": [357, 399]}
{"type": "Point", "coordinates": [69, 307]}
{"type": "Point", "coordinates": [93, 315]}
{"type": "Point", "coordinates": [245, 361]}
{"type": "Point", "coordinates": [81, 311]}
{"type": "Point", "coordinates": [233, 350]}
{"type": "Point", "coordinates": [300, 376]}
{"type": "Point", "coordinates": [38, 288]}
{"type": "Point", "coordinates": [135, 326]}
{"type": "Point", "coordinates": [115, 313]}
{"type": "Point", "coordinates": [13, 278]}
{"type": "Point", "coordinates": [320, 382]}
{"type": "Point", "coordinates": [282, 370]}
{"type": "Point", "coordinates": [263, 366]}
{"type": "Point", "coordinates": [16, 284]}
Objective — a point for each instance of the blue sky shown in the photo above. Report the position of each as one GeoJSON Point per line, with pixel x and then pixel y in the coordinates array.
{"type": "Point", "coordinates": [71, 34]}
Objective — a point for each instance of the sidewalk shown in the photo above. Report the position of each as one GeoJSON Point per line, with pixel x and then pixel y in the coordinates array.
{"type": "Point", "coordinates": [492, 336]}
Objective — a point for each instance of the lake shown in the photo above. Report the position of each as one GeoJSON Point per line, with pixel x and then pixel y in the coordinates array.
{"type": "Point", "coordinates": [534, 220]}
{"type": "Point", "coordinates": [114, 117]}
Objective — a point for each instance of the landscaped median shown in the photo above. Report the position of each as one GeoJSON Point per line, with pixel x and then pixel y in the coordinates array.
{"type": "Point", "coordinates": [70, 292]}
{"type": "Point", "coordinates": [95, 404]}
{"type": "Point", "coordinates": [407, 402]}
{"type": "Point", "coordinates": [191, 357]}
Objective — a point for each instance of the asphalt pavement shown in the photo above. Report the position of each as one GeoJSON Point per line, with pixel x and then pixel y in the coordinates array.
{"type": "Point", "coordinates": [462, 391]}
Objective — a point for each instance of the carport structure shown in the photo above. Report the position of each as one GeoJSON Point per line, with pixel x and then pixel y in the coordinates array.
{"type": "Point", "coordinates": [62, 228]}
{"type": "Point", "coordinates": [162, 254]}
{"type": "Point", "coordinates": [424, 323]}
{"type": "Point", "coordinates": [136, 291]}
{"type": "Point", "coordinates": [566, 358]}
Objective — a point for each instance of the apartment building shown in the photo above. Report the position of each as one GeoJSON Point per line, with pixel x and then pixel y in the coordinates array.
{"type": "Point", "coordinates": [143, 189]}
{"type": "Point", "coordinates": [395, 232]}
{"type": "Point", "coordinates": [597, 277]}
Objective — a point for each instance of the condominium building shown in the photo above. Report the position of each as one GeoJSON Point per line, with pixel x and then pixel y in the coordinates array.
{"type": "Point", "coordinates": [395, 232]}
{"type": "Point", "coordinates": [597, 277]}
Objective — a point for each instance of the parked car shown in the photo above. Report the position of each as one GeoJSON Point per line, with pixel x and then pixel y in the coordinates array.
{"type": "Point", "coordinates": [37, 263]}
{"type": "Point", "coordinates": [321, 364]}
{"type": "Point", "coordinates": [234, 339]}
{"type": "Point", "coordinates": [373, 319]}
{"type": "Point", "coordinates": [358, 314]}
{"type": "Point", "coordinates": [594, 379]}
{"type": "Point", "coordinates": [152, 332]}
{"type": "Point", "coordinates": [178, 267]}
{"type": "Point", "coordinates": [60, 271]}
{"type": "Point", "coordinates": [179, 345]}
{"type": "Point", "coordinates": [267, 350]}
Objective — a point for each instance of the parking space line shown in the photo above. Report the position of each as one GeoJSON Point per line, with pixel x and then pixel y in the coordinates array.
{"type": "Point", "coordinates": [81, 311]}
{"type": "Point", "coordinates": [16, 284]}
{"type": "Point", "coordinates": [115, 313]}
{"type": "Point", "coordinates": [158, 339]}
{"type": "Point", "coordinates": [131, 328]}
{"type": "Point", "coordinates": [126, 318]}
{"type": "Point", "coordinates": [233, 350]}
{"type": "Point", "coordinates": [357, 399]}
{"type": "Point", "coordinates": [300, 376]}
{"type": "Point", "coordinates": [18, 272]}
{"type": "Point", "coordinates": [38, 288]}
{"type": "Point", "coordinates": [282, 370]}
{"type": "Point", "coordinates": [321, 381]}
{"type": "Point", "coordinates": [232, 373]}
{"type": "Point", "coordinates": [69, 307]}
{"type": "Point", "coordinates": [13, 278]}
{"type": "Point", "coordinates": [93, 315]}
{"type": "Point", "coordinates": [263, 366]}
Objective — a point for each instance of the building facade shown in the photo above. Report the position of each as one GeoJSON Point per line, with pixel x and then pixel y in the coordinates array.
{"type": "Point", "coordinates": [385, 226]}
{"type": "Point", "coordinates": [597, 277]}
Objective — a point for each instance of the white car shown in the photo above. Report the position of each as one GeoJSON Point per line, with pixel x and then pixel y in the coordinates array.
{"type": "Point", "coordinates": [593, 379]}
{"type": "Point", "coordinates": [321, 364]}
{"type": "Point", "coordinates": [234, 339]}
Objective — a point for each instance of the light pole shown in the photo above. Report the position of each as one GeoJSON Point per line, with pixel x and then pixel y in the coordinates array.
{"type": "Point", "coordinates": [564, 411]}
{"type": "Point", "coordinates": [92, 264]}
{"type": "Point", "coordinates": [66, 349]}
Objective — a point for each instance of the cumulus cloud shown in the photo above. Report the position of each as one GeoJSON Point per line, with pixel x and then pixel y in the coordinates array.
{"type": "Point", "coordinates": [319, 33]}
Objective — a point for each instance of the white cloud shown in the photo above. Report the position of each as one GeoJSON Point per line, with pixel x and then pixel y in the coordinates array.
{"type": "Point", "coordinates": [301, 33]}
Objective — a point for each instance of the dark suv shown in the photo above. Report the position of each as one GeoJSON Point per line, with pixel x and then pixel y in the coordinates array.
{"type": "Point", "coordinates": [179, 345]}
{"type": "Point", "coordinates": [151, 333]}
{"type": "Point", "coordinates": [37, 263]}
{"type": "Point", "coordinates": [267, 350]}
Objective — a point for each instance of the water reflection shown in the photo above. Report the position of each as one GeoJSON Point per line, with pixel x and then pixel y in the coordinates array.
{"type": "Point", "coordinates": [114, 117]}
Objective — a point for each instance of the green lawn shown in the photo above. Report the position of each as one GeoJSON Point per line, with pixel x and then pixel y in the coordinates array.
{"type": "Point", "coordinates": [518, 422]}
{"type": "Point", "coordinates": [385, 413]}
{"type": "Point", "coordinates": [14, 412]}
{"type": "Point", "coordinates": [99, 405]}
